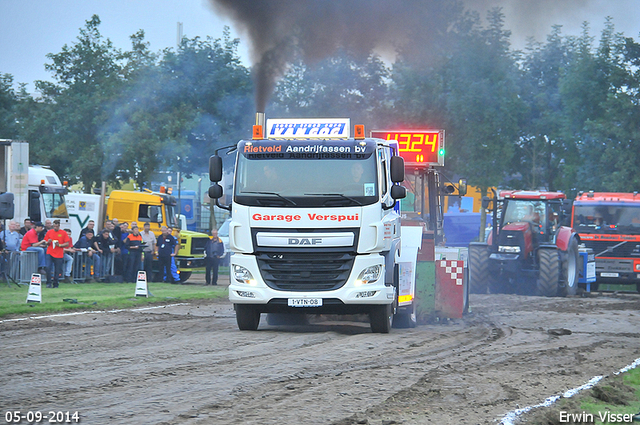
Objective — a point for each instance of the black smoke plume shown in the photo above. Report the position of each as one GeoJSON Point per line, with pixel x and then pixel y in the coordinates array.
{"type": "Point", "coordinates": [316, 28]}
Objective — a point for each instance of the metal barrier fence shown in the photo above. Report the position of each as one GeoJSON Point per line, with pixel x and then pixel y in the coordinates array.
{"type": "Point", "coordinates": [94, 266]}
{"type": "Point", "coordinates": [20, 265]}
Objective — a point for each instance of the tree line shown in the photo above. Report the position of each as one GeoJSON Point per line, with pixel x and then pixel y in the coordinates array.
{"type": "Point", "coordinates": [563, 114]}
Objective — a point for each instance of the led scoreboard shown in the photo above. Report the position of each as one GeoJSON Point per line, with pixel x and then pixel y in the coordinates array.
{"type": "Point", "coordinates": [418, 148]}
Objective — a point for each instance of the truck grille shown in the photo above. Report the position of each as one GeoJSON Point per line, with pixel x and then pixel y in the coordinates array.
{"type": "Point", "coordinates": [197, 245]}
{"type": "Point", "coordinates": [305, 271]}
{"type": "Point", "coordinates": [625, 250]}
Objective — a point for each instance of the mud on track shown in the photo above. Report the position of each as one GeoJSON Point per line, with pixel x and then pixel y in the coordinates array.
{"type": "Point", "coordinates": [188, 364]}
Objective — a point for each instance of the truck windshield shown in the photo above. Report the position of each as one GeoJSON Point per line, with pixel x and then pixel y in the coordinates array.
{"type": "Point", "coordinates": [54, 205]}
{"type": "Point", "coordinates": [306, 182]}
{"type": "Point", "coordinates": [607, 218]}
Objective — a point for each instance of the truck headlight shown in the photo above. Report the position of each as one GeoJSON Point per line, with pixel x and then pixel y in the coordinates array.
{"type": "Point", "coordinates": [510, 249]}
{"type": "Point", "coordinates": [242, 275]}
{"type": "Point", "coordinates": [369, 275]}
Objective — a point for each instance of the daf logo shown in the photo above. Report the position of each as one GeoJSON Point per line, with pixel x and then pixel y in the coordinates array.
{"type": "Point", "coordinates": [304, 241]}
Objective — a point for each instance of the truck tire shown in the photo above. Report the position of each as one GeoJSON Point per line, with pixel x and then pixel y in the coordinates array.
{"type": "Point", "coordinates": [570, 262]}
{"type": "Point", "coordinates": [381, 318]}
{"type": "Point", "coordinates": [406, 320]}
{"type": "Point", "coordinates": [478, 269]}
{"type": "Point", "coordinates": [548, 282]}
{"type": "Point", "coordinates": [184, 276]}
{"type": "Point", "coordinates": [248, 317]}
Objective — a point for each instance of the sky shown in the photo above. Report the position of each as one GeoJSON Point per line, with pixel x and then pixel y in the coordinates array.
{"type": "Point", "coordinates": [30, 29]}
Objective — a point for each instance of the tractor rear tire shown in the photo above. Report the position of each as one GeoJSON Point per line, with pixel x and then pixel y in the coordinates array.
{"type": "Point", "coordinates": [478, 269]}
{"type": "Point", "coordinates": [570, 264]}
{"type": "Point", "coordinates": [548, 283]}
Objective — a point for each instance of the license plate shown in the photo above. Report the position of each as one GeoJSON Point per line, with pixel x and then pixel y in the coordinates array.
{"type": "Point", "coordinates": [305, 302]}
{"type": "Point", "coordinates": [609, 274]}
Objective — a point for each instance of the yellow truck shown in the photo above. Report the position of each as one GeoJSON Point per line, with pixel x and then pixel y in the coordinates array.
{"type": "Point", "coordinates": [158, 209]}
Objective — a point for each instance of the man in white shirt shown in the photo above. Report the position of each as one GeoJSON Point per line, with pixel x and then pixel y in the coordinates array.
{"type": "Point", "coordinates": [149, 247]}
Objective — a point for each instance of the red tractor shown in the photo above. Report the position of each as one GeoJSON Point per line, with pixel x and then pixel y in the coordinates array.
{"type": "Point", "coordinates": [529, 251]}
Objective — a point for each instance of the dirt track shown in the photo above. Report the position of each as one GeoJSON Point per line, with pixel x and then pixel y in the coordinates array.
{"type": "Point", "coordinates": [188, 364]}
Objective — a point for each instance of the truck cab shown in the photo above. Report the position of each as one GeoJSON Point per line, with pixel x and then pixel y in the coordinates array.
{"type": "Point", "coordinates": [159, 209]}
{"type": "Point", "coordinates": [47, 196]}
{"type": "Point", "coordinates": [609, 224]}
{"type": "Point", "coordinates": [38, 192]}
{"type": "Point", "coordinates": [313, 227]}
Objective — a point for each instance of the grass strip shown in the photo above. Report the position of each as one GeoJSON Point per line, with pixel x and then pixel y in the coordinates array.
{"type": "Point", "coordinates": [93, 296]}
{"type": "Point", "coordinates": [612, 397]}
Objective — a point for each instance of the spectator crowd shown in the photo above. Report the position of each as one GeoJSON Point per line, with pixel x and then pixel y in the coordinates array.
{"type": "Point", "coordinates": [118, 251]}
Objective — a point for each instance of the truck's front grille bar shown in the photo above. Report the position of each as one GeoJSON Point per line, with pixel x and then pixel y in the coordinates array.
{"type": "Point", "coordinates": [289, 271]}
{"type": "Point", "coordinates": [606, 248]}
{"type": "Point", "coordinates": [197, 245]}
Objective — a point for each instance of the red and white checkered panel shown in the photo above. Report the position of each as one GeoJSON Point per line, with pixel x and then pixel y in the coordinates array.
{"type": "Point", "coordinates": [455, 268]}
{"type": "Point", "coordinates": [450, 296]}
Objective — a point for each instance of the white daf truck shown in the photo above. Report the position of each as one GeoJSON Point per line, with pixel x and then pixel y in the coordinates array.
{"type": "Point", "coordinates": [37, 191]}
{"type": "Point", "coordinates": [313, 227]}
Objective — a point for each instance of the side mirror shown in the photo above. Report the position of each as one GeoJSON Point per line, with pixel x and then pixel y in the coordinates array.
{"type": "Point", "coordinates": [462, 187]}
{"type": "Point", "coordinates": [6, 206]}
{"type": "Point", "coordinates": [447, 189]}
{"type": "Point", "coordinates": [34, 206]}
{"type": "Point", "coordinates": [154, 214]}
{"type": "Point", "coordinates": [397, 169]}
{"type": "Point", "coordinates": [567, 212]}
{"type": "Point", "coordinates": [487, 203]}
{"type": "Point", "coordinates": [215, 191]}
{"type": "Point", "coordinates": [215, 168]}
{"type": "Point", "coordinates": [398, 192]}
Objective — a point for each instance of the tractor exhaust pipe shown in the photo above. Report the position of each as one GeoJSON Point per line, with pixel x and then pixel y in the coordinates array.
{"type": "Point", "coordinates": [258, 128]}
{"type": "Point", "coordinates": [260, 118]}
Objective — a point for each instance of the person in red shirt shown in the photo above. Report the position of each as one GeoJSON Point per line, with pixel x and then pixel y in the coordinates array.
{"type": "Point", "coordinates": [57, 240]}
{"type": "Point", "coordinates": [31, 242]}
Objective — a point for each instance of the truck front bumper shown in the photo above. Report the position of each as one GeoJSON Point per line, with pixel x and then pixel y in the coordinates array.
{"type": "Point", "coordinates": [190, 263]}
{"type": "Point", "coordinates": [350, 298]}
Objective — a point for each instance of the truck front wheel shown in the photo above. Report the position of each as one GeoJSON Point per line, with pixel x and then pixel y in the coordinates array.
{"type": "Point", "coordinates": [247, 316]}
{"type": "Point", "coordinates": [549, 274]}
{"type": "Point", "coordinates": [381, 318]}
